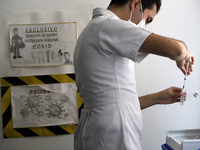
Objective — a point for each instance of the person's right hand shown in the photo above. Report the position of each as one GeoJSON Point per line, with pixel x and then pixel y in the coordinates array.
{"type": "Point", "coordinates": [182, 64]}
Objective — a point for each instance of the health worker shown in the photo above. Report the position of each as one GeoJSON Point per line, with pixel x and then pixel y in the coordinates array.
{"type": "Point", "coordinates": [104, 59]}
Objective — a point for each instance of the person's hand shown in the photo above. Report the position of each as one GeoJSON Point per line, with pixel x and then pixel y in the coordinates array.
{"type": "Point", "coordinates": [170, 95]}
{"type": "Point", "coordinates": [187, 61]}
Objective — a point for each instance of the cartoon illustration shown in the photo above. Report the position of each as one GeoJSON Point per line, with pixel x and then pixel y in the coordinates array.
{"type": "Point", "coordinates": [17, 43]}
{"type": "Point", "coordinates": [38, 45]}
{"type": "Point", "coordinates": [24, 113]}
{"type": "Point", "coordinates": [55, 110]}
{"type": "Point", "coordinates": [60, 54]}
{"type": "Point", "coordinates": [64, 98]}
{"type": "Point", "coordinates": [67, 58]}
{"type": "Point", "coordinates": [33, 101]}
{"type": "Point", "coordinates": [53, 55]}
{"type": "Point", "coordinates": [35, 106]}
{"type": "Point", "coordinates": [48, 55]}
{"type": "Point", "coordinates": [32, 106]}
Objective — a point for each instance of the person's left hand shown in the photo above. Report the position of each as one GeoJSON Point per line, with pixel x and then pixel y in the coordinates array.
{"type": "Point", "coordinates": [170, 95]}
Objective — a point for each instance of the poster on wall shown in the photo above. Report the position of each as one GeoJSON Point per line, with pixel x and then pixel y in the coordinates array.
{"type": "Point", "coordinates": [44, 105]}
{"type": "Point", "coordinates": [35, 45]}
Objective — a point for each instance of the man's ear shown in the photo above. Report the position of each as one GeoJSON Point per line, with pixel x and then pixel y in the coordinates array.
{"type": "Point", "coordinates": [134, 3]}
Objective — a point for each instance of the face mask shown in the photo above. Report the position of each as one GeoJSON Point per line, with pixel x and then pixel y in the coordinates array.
{"type": "Point", "coordinates": [141, 23]}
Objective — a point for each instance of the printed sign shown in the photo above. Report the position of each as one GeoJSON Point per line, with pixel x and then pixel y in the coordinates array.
{"type": "Point", "coordinates": [34, 45]}
{"type": "Point", "coordinates": [44, 105]}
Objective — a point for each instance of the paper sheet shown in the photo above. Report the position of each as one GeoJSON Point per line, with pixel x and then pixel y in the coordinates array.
{"type": "Point", "coordinates": [42, 44]}
{"type": "Point", "coordinates": [81, 16]}
{"type": "Point", "coordinates": [44, 105]}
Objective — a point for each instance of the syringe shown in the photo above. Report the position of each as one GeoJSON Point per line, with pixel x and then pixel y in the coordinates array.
{"type": "Point", "coordinates": [183, 91]}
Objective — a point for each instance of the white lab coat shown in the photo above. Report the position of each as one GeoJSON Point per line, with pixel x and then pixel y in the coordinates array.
{"type": "Point", "coordinates": [104, 67]}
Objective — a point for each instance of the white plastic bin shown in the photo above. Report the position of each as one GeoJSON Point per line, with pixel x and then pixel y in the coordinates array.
{"type": "Point", "coordinates": [184, 139]}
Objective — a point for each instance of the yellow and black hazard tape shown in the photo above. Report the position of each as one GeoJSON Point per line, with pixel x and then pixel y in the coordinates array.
{"type": "Point", "coordinates": [8, 82]}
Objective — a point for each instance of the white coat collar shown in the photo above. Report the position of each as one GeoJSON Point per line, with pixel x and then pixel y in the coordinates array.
{"type": "Point", "coordinates": [103, 12]}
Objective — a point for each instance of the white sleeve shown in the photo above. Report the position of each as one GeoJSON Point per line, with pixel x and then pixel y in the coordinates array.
{"type": "Point", "coordinates": [123, 38]}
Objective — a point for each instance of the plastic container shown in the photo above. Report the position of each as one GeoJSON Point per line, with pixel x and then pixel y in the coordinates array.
{"type": "Point", "coordinates": [166, 147]}
{"type": "Point", "coordinates": [183, 139]}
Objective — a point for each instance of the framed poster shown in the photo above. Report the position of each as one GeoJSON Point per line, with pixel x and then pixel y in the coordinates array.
{"type": "Point", "coordinates": [35, 45]}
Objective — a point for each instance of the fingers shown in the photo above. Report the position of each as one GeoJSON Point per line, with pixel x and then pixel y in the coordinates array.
{"type": "Point", "coordinates": [191, 64]}
{"type": "Point", "coordinates": [189, 61]}
{"type": "Point", "coordinates": [185, 96]}
{"type": "Point", "coordinates": [176, 89]}
{"type": "Point", "coordinates": [192, 60]}
{"type": "Point", "coordinates": [183, 70]}
{"type": "Point", "coordinates": [181, 65]}
{"type": "Point", "coordinates": [186, 65]}
{"type": "Point", "coordinates": [177, 93]}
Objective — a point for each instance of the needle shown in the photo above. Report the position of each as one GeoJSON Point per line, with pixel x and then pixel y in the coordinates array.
{"type": "Point", "coordinates": [184, 82]}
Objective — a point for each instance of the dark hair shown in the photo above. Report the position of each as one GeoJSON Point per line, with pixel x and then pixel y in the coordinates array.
{"type": "Point", "coordinates": [15, 29]}
{"type": "Point", "coordinates": [146, 4]}
{"type": "Point", "coordinates": [66, 53]}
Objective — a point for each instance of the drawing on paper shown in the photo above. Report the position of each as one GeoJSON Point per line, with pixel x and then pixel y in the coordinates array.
{"type": "Point", "coordinates": [17, 43]}
{"type": "Point", "coordinates": [49, 44]}
{"type": "Point", "coordinates": [34, 106]}
{"type": "Point", "coordinates": [48, 98]}
{"type": "Point", "coordinates": [55, 110]}
{"type": "Point", "coordinates": [67, 58]}
{"type": "Point", "coordinates": [33, 101]}
{"type": "Point", "coordinates": [64, 98]}
{"type": "Point", "coordinates": [24, 113]}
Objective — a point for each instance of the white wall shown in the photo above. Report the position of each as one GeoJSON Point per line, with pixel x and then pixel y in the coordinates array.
{"type": "Point", "coordinates": [63, 142]}
{"type": "Point", "coordinates": [178, 19]}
